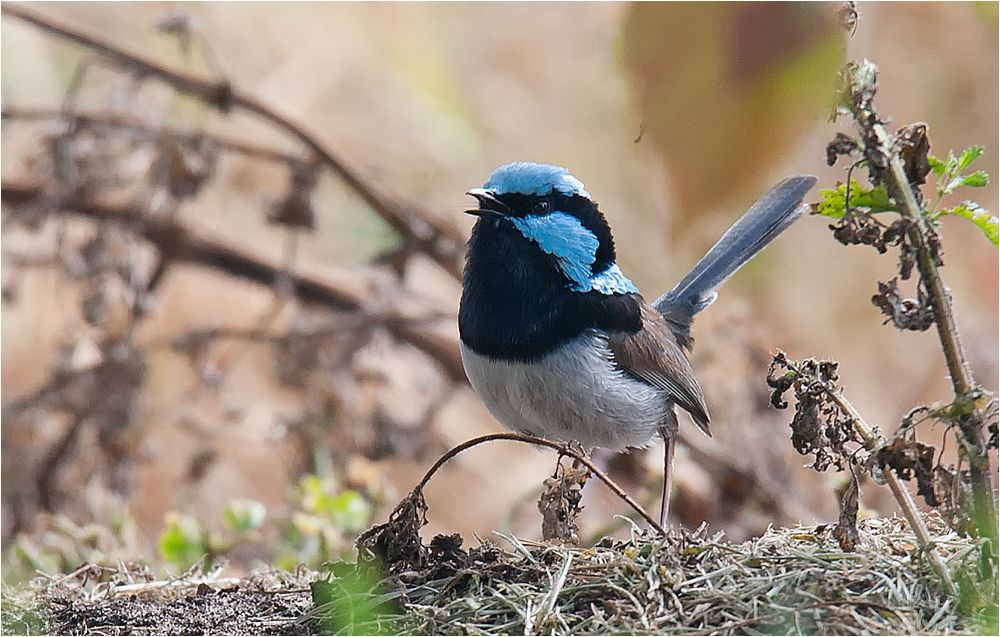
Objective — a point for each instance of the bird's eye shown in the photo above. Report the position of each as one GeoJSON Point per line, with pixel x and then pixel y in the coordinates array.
{"type": "Point", "coordinates": [541, 207]}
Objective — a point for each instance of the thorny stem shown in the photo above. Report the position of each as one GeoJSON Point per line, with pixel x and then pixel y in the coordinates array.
{"type": "Point", "coordinates": [439, 240]}
{"type": "Point", "coordinates": [873, 440]}
{"type": "Point", "coordinates": [878, 150]}
{"type": "Point", "coordinates": [563, 449]}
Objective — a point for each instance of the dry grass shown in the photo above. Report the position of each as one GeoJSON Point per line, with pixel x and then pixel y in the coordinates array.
{"type": "Point", "coordinates": [788, 581]}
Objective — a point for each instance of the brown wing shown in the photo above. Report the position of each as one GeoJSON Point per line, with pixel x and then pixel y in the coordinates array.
{"type": "Point", "coordinates": [653, 355]}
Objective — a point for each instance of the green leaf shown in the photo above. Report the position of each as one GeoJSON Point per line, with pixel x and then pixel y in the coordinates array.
{"type": "Point", "coordinates": [696, 550]}
{"type": "Point", "coordinates": [315, 494]}
{"type": "Point", "coordinates": [352, 602]}
{"type": "Point", "coordinates": [180, 542]}
{"type": "Point", "coordinates": [981, 218]}
{"type": "Point", "coordinates": [936, 165]}
{"type": "Point", "coordinates": [833, 202]}
{"type": "Point", "coordinates": [950, 163]}
{"type": "Point", "coordinates": [977, 179]}
{"type": "Point", "coordinates": [350, 511]}
{"type": "Point", "coordinates": [951, 186]}
{"type": "Point", "coordinates": [244, 516]}
{"type": "Point", "coordinates": [949, 173]}
{"type": "Point", "coordinates": [968, 156]}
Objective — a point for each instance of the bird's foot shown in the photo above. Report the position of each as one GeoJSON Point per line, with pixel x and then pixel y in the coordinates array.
{"type": "Point", "coordinates": [573, 449]}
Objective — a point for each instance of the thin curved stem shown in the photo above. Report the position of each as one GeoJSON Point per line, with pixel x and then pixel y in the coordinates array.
{"type": "Point", "coordinates": [561, 448]}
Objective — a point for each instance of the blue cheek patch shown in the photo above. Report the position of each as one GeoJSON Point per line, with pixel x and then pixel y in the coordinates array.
{"type": "Point", "coordinates": [534, 179]}
{"type": "Point", "coordinates": [611, 281]}
{"type": "Point", "coordinates": [564, 237]}
{"type": "Point", "coordinates": [575, 248]}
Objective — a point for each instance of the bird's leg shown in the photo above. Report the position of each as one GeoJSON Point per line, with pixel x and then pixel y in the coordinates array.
{"type": "Point", "coordinates": [559, 459]}
{"type": "Point", "coordinates": [668, 466]}
{"type": "Point", "coordinates": [575, 450]}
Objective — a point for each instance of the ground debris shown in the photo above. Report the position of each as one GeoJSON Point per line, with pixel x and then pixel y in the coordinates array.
{"type": "Point", "coordinates": [788, 581]}
{"type": "Point", "coordinates": [846, 530]}
{"type": "Point", "coordinates": [114, 603]}
{"type": "Point", "coordinates": [795, 580]}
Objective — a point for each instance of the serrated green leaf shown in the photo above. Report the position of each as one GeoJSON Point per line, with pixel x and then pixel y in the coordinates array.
{"type": "Point", "coordinates": [833, 202]}
{"type": "Point", "coordinates": [950, 163]}
{"type": "Point", "coordinates": [936, 165]}
{"type": "Point", "coordinates": [977, 179]}
{"type": "Point", "coordinates": [968, 156]}
{"type": "Point", "coordinates": [982, 219]}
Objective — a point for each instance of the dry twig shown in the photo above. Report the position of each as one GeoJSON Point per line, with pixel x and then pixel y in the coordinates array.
{"type": "Point", "coordinates": [436, 238]}
{"type": "Point", "coordinates": [178, 243]}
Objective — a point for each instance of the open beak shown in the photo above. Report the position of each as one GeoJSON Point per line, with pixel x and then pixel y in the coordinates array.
{"type": "Point", "coordinates": [488, 203]}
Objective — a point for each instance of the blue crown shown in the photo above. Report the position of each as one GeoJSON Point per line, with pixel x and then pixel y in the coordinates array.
{"type": "Point", "coordinates": [527, 178]}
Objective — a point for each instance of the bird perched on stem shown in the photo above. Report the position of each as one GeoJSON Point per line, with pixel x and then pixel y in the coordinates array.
{"type": "Point", "coordinates": [559, 343]}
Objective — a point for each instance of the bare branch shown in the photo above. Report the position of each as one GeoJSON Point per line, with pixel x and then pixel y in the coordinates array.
{"type": "Point", "coordinates": [151, 132]}
{"type": "Point", "coordinates": [439, 240]}
{"type": "Point", "coordinates": [178, 243]}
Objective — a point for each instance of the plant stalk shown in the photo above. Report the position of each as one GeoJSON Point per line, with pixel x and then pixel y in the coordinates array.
{"type": "Point", "coordinates": [878, 151]}
{"type": "Point", "coordinates": [873, 440]}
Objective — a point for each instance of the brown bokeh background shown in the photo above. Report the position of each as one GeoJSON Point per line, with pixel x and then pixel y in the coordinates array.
{"type": "Point", "coordinates": [425, 100]}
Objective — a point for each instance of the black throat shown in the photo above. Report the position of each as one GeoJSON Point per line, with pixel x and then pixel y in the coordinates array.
{"type": "Point", "coordinates": [516, 305]}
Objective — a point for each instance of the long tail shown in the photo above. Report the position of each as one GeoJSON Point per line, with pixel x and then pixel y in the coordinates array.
{"type": "Point", "coordinates": [758, 226]}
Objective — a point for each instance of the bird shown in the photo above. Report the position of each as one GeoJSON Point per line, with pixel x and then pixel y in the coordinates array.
{"type": "Point", "coordinates": [558, 342]}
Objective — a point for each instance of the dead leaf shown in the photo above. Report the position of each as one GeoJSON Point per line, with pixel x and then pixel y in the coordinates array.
{"type": "Point", "coordinates": [846, 530]}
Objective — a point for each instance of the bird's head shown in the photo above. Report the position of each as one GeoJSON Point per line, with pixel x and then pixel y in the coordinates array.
{"type": "Point", "coordinates": [554, 213]}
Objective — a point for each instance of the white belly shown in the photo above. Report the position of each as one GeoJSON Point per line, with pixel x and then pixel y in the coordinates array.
{"type": "Point", "coordinates": [573, 393]}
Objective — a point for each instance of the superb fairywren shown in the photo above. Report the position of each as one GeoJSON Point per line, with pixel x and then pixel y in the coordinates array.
{"type": "Point", "coordinates": [559, 343]}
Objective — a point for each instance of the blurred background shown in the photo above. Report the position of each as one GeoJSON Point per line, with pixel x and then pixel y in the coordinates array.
{"type": "Point", "coordinates": [164, 407]}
